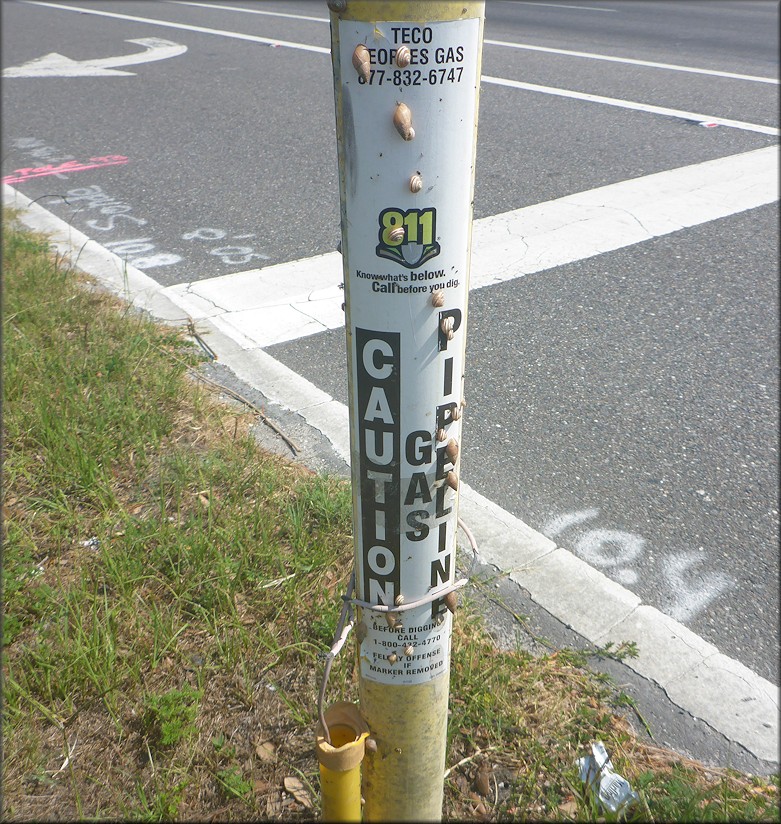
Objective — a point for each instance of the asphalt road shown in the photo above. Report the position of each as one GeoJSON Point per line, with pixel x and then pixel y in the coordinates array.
{"type": "Point", "coordinates": [626, 404]}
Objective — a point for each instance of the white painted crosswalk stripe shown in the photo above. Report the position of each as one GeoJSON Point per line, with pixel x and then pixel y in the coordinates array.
{"type": "Point", "coordinates": [261, 307]}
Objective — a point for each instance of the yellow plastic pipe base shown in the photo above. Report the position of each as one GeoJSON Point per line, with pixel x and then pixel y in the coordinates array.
{"type": "Point", "coordinates": [340, 762]}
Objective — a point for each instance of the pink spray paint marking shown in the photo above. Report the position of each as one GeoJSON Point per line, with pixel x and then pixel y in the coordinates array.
{"type": "Point", "coordinates": [21, 175]}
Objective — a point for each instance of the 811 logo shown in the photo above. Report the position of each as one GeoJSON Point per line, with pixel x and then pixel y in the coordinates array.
{"type": "Point", "coordinates": [408, 237]}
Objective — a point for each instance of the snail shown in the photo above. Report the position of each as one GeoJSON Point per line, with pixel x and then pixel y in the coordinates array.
{"type": "Point", "coordinates": [362, 61]}
{"type": "Point", "coordinates": [446, 326]}
{"type": "Point", "coordinates": [438, 297]}
{"type": "Point", "coordinates": [402, 120]}
{"type": "Point", "coordinates": [451, 450]}
{"type": "Point", "coordinates": [451, 601]}
{"type": "Point", "coordinates": [415, 183]}
{"type": "Point", "coordinates": [403, 57]}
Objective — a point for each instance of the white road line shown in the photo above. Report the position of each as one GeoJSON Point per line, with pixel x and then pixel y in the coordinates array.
{"type": "Point", "coordinates": [721, 691]}
{"type": "Point", "coordinates": [236, 35]}
{"type": "Point", "coordinates": [629, 104]}
{"type": "Point", "coordinates": [261, 307]}
{"type": "Point", "coordinates": [250, 11]}
{"type": "Point", "coordinates": [559, 6]}
{"type": "Point", "coordinates": [504, 43]}
{"type": "Point", "coordinates": [591, 98]}
{"type": "Point", "coordinates": [631, 61]}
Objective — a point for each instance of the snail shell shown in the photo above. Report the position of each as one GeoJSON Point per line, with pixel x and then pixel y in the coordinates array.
{"type": "Point", "coordinates": [402, 120]}
{"type": "Point", "coordinates": [397, 234]}
{"type": "Point", "coordinates": [441, 435]}
{"type": "Point", "coordinates": [451, 601]}
{"type": "Point", "coordinates": [409, 650]}
{"type": "Point", "coordinates": [415, 183]}
{"type": "Point", "coordinates": [438, 297]}
{"type": "Point", "coordinates": [392, 658]}
{"type": "Point", "coordinates": [362, 61]}
{"type": "Point", "coordinates": [451, 479]}
{"type": "Point", "coordinates": [451, 450]}
{"type": "Point", "coordinates": [403, 57]}
{"type": "Point", "coordinates": [399, 600]}
{"type": "Point", "coordinates": [456, 413]}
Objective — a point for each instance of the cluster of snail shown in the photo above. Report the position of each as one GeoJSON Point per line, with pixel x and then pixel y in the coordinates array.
{"type": "Point", "coordinates": [402, 117]}
{"type": "Point", "coordinates": [402, 120]}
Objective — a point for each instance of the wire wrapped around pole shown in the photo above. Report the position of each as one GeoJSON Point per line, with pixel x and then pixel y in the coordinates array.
{"type": "Point", "coordinates": [343, 627]}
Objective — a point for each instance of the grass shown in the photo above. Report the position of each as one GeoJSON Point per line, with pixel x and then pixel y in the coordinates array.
{"type": "Point", "coordinates": [169, 590]}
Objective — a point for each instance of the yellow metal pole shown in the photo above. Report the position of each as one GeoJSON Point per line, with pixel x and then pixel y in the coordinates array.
{"type": "Point", "coordinates": [406, 87]}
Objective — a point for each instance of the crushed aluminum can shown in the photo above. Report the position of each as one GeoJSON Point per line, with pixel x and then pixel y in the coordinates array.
{"type": "Point", "coordinates": [613, 791]}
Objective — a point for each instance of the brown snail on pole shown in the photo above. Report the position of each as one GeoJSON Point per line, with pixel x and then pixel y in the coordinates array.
{"type": "Point", "coordinates": [403, 57]}
{"type": "Point", "coordinates": [362, 61]}
{"type": "Point", "coordinates": [402, 120]}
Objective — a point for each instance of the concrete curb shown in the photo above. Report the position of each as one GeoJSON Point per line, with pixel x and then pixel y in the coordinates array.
{"type": "Point", "coordinates": [696, 677]}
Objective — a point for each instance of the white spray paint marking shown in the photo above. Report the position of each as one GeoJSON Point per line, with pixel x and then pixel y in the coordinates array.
{"type": "Point", "coordinates": [300, 298]}
{"type": "Point", "coordinates": [611, 548]}
{"type": "Point", "coordinates": [615, 551]}
{"type": "Point", "coordinates": [680, 572]}
{"type": "Point", "coordinates": [140, 252]}
{"type": "Point", "coordinates": [555, 526]}
{"type": "Point", "coordinates": [229, 255]}
{"type": "Point", "coordinates": [33, 147]}
{"type": "Point", "coordinates": [58, 65]}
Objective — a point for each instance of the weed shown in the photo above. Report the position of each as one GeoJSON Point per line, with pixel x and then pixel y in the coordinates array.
{"type": "Point", "coordinates": [233, 784]}
{"type": "Point", "coordinates": [168, 718]}
{"type": "Point", "coordinates": [162, 802]}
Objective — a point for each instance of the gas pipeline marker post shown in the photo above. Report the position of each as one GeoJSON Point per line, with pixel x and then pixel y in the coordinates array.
{"type": "Point", "coordinates": [406, 85]}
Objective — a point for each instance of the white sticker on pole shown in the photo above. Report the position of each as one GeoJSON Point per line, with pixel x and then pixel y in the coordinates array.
{"type": "Point", "coordinates": [408, 126]}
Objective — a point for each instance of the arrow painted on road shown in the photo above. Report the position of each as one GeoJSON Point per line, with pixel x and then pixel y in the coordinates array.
{"type": "Point", "coordinates": [58, 65]}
